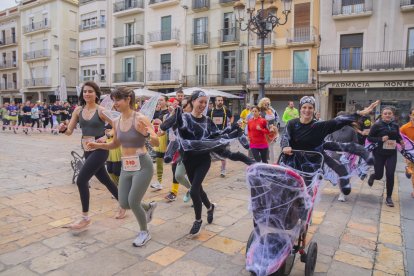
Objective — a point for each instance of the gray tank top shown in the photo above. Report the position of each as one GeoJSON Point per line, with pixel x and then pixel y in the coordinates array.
{"type": "Point", "coordinates": [131, 138]}
{"type": "Point", "coordinates": [94, 127]}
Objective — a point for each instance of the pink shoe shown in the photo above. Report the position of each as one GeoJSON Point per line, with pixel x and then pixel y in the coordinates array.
{"type": "Point", "coordinates": [80, 224]}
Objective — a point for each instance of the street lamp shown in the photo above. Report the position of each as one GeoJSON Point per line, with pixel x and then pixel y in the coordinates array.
{"type": "Point", "coordinates": [262, 22]}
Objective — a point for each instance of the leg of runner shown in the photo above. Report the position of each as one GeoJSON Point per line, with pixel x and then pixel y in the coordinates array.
{"type": "Point", "coordinates": [181, 176]}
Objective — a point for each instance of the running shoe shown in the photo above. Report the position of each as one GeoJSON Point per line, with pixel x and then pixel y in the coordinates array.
{"type": "Point", "coordinates": [187, 197]}
{"type": "Point", "coordinates": [223, 173]}
{"type": "Point", "coordinates": [142, 238]}
{"type": "Point", "coordinates": [210, 213]}
{"type": "Point", "coordinates": [171, 197]}
{"type": "Point", "coordinates": [371, 180]}
{"type": "Point", "coordinates": [150, 211]}
{"type": "Point", "coordinates": [80, 224]}
{"type": "Point", "coordinates": [407, 173]}
{"type": "Point", "coordinates": [341, 197]}
{"type": "Point", "coordinates": [362, 176]}
{"type": "Point", "coordinates": [195, 230]}
{"type": "Point", "coordinates": [389, 202]}
{"type": "Point", "coordinates": [156, 185]}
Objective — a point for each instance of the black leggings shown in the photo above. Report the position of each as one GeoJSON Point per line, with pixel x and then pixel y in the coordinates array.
{"type": "Point", "coordinates": [174, 168]}
{"type": "Point", "coordinates": [260, 154]}
{"type": "Point", "coordinates": [234, 156]}
{"type": "Point", "coordinates": [37, 121]}
{"type": "Point", "coordinates": [197, 167]}
{"type": "Point", "coordinates": [94, 165]}
{"type": "Point", "coordinates": [390, 163]}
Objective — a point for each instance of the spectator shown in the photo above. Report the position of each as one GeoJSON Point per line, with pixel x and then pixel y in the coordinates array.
{"type": "Point", "coordinates": [290, 113]}
{"type": "Point", "coordinates": [244, 114]}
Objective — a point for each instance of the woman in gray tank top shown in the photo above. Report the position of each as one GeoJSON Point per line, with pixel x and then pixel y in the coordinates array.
{"type": "Point", "coordinates": [92, 121]}
{"type": "Point", "coordinates": [131, 131]}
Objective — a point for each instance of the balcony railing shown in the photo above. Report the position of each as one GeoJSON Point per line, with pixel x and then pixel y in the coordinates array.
{"type": "Point", "coordinates": [128, 4]}
{"type": "Point", "coordinates": [285, 77]}
{"type": "Point", "coordinates": [201, 4]}
{"type": "Point", "coordinates": [129, 77]}
{"type": "Point", "coordinates": [256, 41]}
{"type": "Point", "coordinates": [92, 78]}
{"type": "Point", "coordinates": [36, 26]}
{"type": "Point", "coordinates": [8, 64]}
{"type": "Point", "coordinates": [8, 86]}
{"type": "Point", "coordinates": [301, 35]}
{"type": "Point", "coordinates": [37, 82]}
{"type": "Point", "coordinates": [229, 35]}
{"type": "Point", "coordinates": [8, 40]}
{"type": "Point", "coordinates": [351, 7]}
{"type": "Point", "coordinates": [92, 52]}
{"type": "Point", "coordinates": [405, 3]}
{"type": "Point", "coordinates": [200, 39]}
{"type": "Point", "coordinates": [129, 40]}
{"type": "Point", "coordinates": [84, 2]}
{"type": "Point", "coordinates": [164, 35]}
{"type": "Point", "coordinates": [44, 53]}
{"type": "Point", "coordinates": [98, 24]}
{"type": "Point", "coordinates": [172, 75]}
{"type": "Point", "coordinates": [389, 60]}
{"type": "Point", "coordinates": [216, 79]}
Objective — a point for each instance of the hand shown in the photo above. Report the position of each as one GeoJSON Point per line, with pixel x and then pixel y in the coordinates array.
{"type": "Point", "coordinates": [370, 108]}
{"type": "Point", "coordinates": [62, 127]}
{"type": "Point", "coordinates": [287, 151]}
{"type": "Point", "coordinates": [92, 146]}
{"type": "Point", "coordinates": [258, 128]}
{"type": "Point", "coordinates": [101, 140]}
{"type": "Point", "coordinates": [150, 130]}
{"type": "Point", "coordinates": [402, 144]}
{"type": "Point", "coordinates": [385, 138]}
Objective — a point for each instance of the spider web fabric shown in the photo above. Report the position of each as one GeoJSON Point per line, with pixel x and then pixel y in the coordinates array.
{"type": "Point", "coordinates": [148, 108]}
{"type": "Point", "coordinates": [407, 151]}
{"type": "Point", "coordinates": [281, 201]}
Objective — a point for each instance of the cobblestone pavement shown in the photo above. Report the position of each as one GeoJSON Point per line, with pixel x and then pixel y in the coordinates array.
{"type": "Point", "coordinates": [359, 237]}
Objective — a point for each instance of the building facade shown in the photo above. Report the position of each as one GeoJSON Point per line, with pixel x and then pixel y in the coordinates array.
{"type": "Point", "coordinates": [10, 56]}
{"type": "Point", "coordinates": [366, 53]}
{"type": "Point", "coordinates": [95, 42]}
{"type": "Point", "coordinates": [49, 43]}
{"type": "Point", "coordinates": [290, 61]}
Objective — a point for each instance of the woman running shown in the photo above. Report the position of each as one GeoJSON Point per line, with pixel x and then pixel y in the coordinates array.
{"type": "Point", "coordinates": [269, 114]}
{"type": "Point", "coordinates": [386, 134]}
{"type": "Point", "coordinates": [131, 131]}
{"type": "Point", "coordinates": [92, 122]}
{"type": "Point", "coordinates": [304, 133]}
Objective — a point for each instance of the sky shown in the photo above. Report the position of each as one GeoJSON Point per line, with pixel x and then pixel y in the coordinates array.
{"type": "Point", "coordinates": [4, 4]}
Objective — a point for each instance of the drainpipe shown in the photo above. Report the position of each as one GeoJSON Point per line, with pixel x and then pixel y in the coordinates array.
{"type": "Point", "coordinates": [383, 42]}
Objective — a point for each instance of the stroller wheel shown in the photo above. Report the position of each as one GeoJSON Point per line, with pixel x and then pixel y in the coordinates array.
{"type": "Point", "coordinates": [311, 257]}
{"type": "Point", "coordinates": [249, 241]}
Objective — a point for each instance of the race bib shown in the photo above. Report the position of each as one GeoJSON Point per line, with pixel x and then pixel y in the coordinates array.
{"type": "Point", "coordinates": [85, 140]}
{"type": "Point", "coordinates": [131, 163]}
{"type": "Point", "coordinates": [13, 113]}
{"type": "Point", "coordinates": [218, 120]}
{"type": "Point", "coordinates": [389, 144]}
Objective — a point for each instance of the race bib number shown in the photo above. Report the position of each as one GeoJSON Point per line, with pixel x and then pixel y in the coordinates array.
{"type": "Point", "coordinates": [86, 140]}
{"type": "Point", "coordinates": [218, 120]}
{"type": "Point", "coordinates": [131, 163]}
{"type": "Point", "coordinates": [13, 113]}
{"type": "Point", "coordinates": [389, 144]}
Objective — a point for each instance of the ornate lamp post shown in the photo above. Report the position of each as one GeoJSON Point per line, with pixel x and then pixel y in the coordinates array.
{"type": "Point", "coordinates": [262, 22]}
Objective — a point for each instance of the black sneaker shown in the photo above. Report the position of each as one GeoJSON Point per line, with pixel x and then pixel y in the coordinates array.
{"type": "Point", "coordinates": [371, 180]}
{"type": "Point", "coordinates": [407, 174]}
{"type": "Point", "coordinates": [389, 202]}
{"type": "Point", "coordinates": [363, 176]}
{"type": "Point", "coordinates": [210, 213]}
{"type": "Point", "coordinates": [195, 230]}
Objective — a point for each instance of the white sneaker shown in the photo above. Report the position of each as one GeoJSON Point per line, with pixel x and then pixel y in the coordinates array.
{"type": "Point", "coordinates": [150, 211]}
{"type": "Point", "coordinates": [142, 238]}
{"type": "Point", "coordinates": [223, 173]}
{"type": "Point", "coordinates": [341, 197]}
{"type": "Point", "coordinates": [156, 185]}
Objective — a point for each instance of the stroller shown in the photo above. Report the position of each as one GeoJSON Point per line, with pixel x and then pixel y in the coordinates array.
{"type": "Point", "coordinates": [76, 164]}
{"type": "Point", "coordinates": [282, 199]}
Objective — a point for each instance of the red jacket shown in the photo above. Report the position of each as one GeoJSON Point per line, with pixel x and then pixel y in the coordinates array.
{"type": "Point", "coordinates": [257, 137]}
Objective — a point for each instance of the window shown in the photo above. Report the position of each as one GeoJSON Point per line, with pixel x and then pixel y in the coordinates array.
{"type": "Point", "coordinates": [352, 6]}
{"type": "Point", "coordinates": [129, 69]}
{"type": "Point", "coordinates": [88, 20]}
{"type": "Point", "coordinates": [13, 33]}
{"type": "Point", "coordinates": [351, 52]}
{"type": "Point", "coordinates": [229, 65]}
{"type": "Point", "coordinates": [302, 22]}
{"type": "Point", "coordinates": [229, 27]}
{"type": "Point", "coordinates": [129, 33]}
{"type": "Point", "coordinates": [166, 27]}
{"type": "Point", "coordinates": [14, 58]}
{"type": "Point", "coordinates": [166, 67]}
{"type": "Point", "coordinates": [102, 17]}
{"type": "Point", "coordinates": [410, 48]}
{"type": "Point", "coordinates": [201, 69]}
{"type": "Point", "coordinates": [300, 66]}
{"type": "Point", "coordinates": [267, 67]}
{"type": "Point", "coordinates": [102, 72]}
{"type": "Point", "coordinates": [3, 37]}
{"type": "Point", "coordinates": [200, 30]}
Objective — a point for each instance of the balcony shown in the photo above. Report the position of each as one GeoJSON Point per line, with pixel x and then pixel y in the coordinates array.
{"type": "Point", "coordinates": [37, 27]}
{"type": "Point", "coordinates": [128, 77]}
{"type": "Point", "coordinates": [407, 5]}
{"type": "Point", "coordinates": [229, 36]}
{"type": "Point", "coordinates": [84, 2]}
{"type": "Point", "coordinates": [227, 2]}
{"type": "Point", "coordinates": [92, 52]}
{"type": "Point", "coordinates": [8, 64]}
{"type": "Point", "coordinates": [37, 82]}
{"type": "Point", "coordinates": [171, 76]}
{"type": "Point", "coordinates": [127, 7]}
{"type": "Point", "coordinates": [216, 80]}
{"type": "Point", "coordinates": [126, 43]}
{"type": "Point", "coordinates": [344, 9]}
{"type": "Point", "coordinates": [200, 5]}
{"type": "Point", "coordinates": [300, 78]}
{"type": "Point", "coordinates": [301, 36]}
{"type": "Point", "coordinates": [37, 55]}
{"type": "Point", "coordinates": [200, 40]}
{"type": "Point", "coordinates": [372, 61]}
{"type": "Point", "coordinates": [98, 24]}
{"type": "Point", "coordinates": [8, 86]}
{"type": "Point", "coordinates": [6, 41]}
{"type": "Point", "coordinates": [164, 38]}
{"type": "Point", "coordinates": [155, 4]}
{"type": "Point", "coordinates": [269, 42]}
